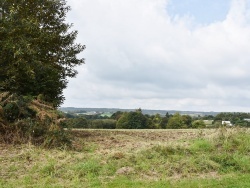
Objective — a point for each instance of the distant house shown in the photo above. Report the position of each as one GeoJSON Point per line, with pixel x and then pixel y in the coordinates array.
{"type": "Point", "coordinates": [247, 119]}
{"type": "Point", "coordinates": [227, 123]}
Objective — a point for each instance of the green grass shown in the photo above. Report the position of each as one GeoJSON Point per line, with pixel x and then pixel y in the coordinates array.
{"type": "Point", "coordinates": [102, 160]}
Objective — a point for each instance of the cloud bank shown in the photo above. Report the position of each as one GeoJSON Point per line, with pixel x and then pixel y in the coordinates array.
{"type": "Point", "coordinates": [140, 55]}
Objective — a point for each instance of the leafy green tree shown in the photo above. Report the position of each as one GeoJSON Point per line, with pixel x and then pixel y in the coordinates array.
{"type": "Point", "coordinates": [175, 122]}
{"type": "Point", "coordinates": [132, 120]}
{"type": "Point", "coordinates": [164, 121]}
{"type": "Point", "coordinates": [79, 122]}
{"type": "Point", "coordinates": [198, 124]}
{"type": "Point", "coordinates": [157, 121]}
{"type": "Point", "coordinates": [116, 115]}
{"type": "Point", "coordinates": [109, 123]}
{"type": "Point", "coordinates": [236, 118]}
{"type": "Point", "coordinates": [103, 124]}
{"type": "Point", "coordinates": [187, 121]}
{"type": "Point", "coordinates": [37, 50]}
{"type": "Point", "coordinates": [123, 121]}
{"type": "Point", "coordinates": [208, 117]}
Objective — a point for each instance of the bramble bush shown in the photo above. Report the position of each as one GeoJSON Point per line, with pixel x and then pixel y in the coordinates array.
{"type": "Point", "coordinates": [25, 119]}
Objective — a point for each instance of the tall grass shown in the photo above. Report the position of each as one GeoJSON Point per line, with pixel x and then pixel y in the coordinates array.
{"type": "Point", "coordinates": [221, 161]}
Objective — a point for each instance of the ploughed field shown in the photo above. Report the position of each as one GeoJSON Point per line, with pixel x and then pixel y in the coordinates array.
{"type": "Point", "coordinates": [133, 158]}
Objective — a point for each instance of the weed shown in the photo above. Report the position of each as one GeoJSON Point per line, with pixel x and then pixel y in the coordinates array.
{"type": "Point", "coordinates": [49, 169]}
{"type": "Point", "coordinates": [91, 167]}
{"type": "Point", "coordinates": [202, 145]}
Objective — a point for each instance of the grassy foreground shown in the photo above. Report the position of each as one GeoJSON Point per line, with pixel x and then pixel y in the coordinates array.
{"type": "Point", "coordinates": [133, 158]}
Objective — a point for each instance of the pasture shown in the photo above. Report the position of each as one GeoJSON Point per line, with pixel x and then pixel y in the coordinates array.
{"type": "Point", "coordinates": [133, 158]}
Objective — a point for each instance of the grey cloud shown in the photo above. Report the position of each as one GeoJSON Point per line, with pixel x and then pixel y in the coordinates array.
{"type": "Point", "coordinates": [137, 55]}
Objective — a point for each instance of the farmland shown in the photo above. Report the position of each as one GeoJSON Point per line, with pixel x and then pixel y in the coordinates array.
{"type": "Point", "coordinates": [133, 158]}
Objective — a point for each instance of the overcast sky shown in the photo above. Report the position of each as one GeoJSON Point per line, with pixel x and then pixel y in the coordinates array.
{"type": "Point", "coordinates": [162, 54]}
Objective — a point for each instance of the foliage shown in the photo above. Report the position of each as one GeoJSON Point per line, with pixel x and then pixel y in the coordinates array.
{"type": "Point", "coordinates": [82, 122]}
{"type": "Point", "coordinates": [79, 122]}
{"type": "Point", "coordinates": [187, 121]}
{"type": "Point", "coordinates": [116, 115]}
{"type": "Point", "coordinates": [25, 120]}
{"type": "Point", "coordinates": [132, 120]}
{"type": "Point", "coordinates": [175, 122]}
{"type": "Point", "coordinates": [236, 118]}
{"type": "Point", "coordinates": [198, 124]}
{"type": "Point", "coordinates": [164, 120]}
{"type": "Point", "coordinates": [156, 121]}
{"type": "Point", "coordinates": [37, 50]}
{"type": "Point", "coordinates": [103, 124]}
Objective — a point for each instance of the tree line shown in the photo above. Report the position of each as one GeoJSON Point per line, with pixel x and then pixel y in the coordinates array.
{"type": "Point", "coordinates": [137, 120]}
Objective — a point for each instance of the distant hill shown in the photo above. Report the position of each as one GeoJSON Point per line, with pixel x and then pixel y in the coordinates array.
{"type": "Point", "coordinates": [144, 111]}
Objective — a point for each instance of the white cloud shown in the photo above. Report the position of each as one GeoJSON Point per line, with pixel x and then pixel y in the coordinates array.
{"type": "Point", "coordinates": [137, 55]}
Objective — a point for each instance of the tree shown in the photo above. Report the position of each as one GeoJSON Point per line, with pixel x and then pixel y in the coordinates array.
{"type": "Point", "coordinates": [132, 120]}
{"type": "Point", "coordinates": [37, 50]}
{"type": "Point", "coordinates": [157, 121]}
{"type": "Point", "coordinates": [164, 121]}
{"type": "Point", "coordinates": [187, 121]}
{"type": "Point", "coordinates": [102, 124]}
{"type": "Point", "coordinates": [198, 124]}
{"type": "Point", "coordinates": [78, 122]}
{"type": "Point", "coordinates": [116, 115]}
{"type": "Point", "coordinates": [175, 122]}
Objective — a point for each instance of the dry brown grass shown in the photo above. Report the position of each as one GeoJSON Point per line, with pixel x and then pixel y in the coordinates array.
{"type": "Point", "coordinates": [129, 141]}
{"type": "Point", "coordinates": [105, 156]}
{"type": "Point", "coordinates": [24, 119]}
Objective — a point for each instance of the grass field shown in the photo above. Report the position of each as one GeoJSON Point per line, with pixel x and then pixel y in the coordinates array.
{"type": "Point", "coordinates": [133, 158]}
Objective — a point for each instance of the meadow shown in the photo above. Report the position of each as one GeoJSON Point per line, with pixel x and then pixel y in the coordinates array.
{"type": "Point", "coordinates": [133, 158]}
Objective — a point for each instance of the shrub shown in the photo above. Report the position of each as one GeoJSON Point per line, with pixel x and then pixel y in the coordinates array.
{"type": "Point", "coordinates": [198, 124]}
{"type": "Point", "coordinates": [23, 120]}
{"type": "Point", "coordinates": [79, 122]}
{"type": "Point", "coordinates": [103, 124]}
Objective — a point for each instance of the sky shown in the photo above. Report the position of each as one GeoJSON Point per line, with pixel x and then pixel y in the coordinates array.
{"type": "Point", "coordinates": [162, 54]}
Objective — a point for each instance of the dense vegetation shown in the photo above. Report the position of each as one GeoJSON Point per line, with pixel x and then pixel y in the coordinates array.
{"type": "Point", "coordinates": [37, 51]}
{"type": "Point", "coordinates": [237, 118]}
{"type": "Point", "coordinates": [37, 55]}
{"type": "Point", "coordinates": [138, 120]}
{"type": "Point", "coordinates": [27, 120]}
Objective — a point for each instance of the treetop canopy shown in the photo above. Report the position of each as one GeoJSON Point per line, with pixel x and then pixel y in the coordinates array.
{"type": "Point", "coordinates": [37, 51]}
